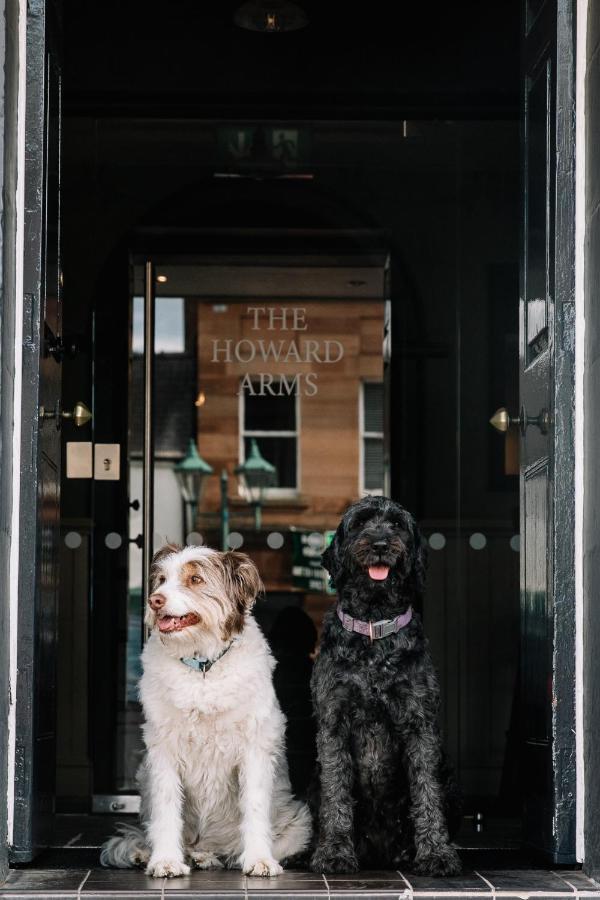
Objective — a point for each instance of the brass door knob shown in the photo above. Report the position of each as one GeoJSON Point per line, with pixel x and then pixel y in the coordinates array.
{"type": "Point", "coordinates": [80, 414]}
{"type": "Point", "coordinates": [502, 420]}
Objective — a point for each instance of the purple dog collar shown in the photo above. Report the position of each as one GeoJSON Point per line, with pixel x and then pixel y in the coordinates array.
{"type": "Point", "coordinates": [375, 630]}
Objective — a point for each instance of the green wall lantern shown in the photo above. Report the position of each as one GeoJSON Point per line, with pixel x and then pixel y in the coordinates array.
{"type": "Point", "coordinates": [190, 473]}
{"type": "Point", "coordinates": [256, 474]}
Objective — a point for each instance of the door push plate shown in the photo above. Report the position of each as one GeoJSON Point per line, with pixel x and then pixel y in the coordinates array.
{"type": "Point", "coordinates": [107, 458]}
{"type": "Point", "coordinates": [79, 459]}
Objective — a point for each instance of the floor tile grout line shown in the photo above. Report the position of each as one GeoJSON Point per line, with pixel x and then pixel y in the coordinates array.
{"type": "Point", "coordinates": [532, 893]}
{"type": "Point", "coordinates": [406, 882]}
{"type": "Point", "coordinates": [245, 887]}
{"type": "Point", "coordinates": [163, 889]}
{"type": "Point", "coordinates": [326, 885]}
{"type": "Point", "coordinates": [489, 883]}
{"type": "Point", "coordinates": [433, 894]}
{"type": "Point", "coordinates": [566, 880]}
{"type": "Point", "coordinates": [80, 888]}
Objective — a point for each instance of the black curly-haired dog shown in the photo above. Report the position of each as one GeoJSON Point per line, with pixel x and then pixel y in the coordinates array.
{"type": "Point", "coordinates": [385, 792]}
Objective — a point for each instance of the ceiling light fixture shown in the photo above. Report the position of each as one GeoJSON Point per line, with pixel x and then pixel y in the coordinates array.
{"type": "Point", "coordinates": [162, 279]}
{"type": "Point", "coordinates": [270, 16]}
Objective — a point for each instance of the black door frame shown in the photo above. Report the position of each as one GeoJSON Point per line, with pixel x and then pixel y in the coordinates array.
{"type": "Point", "coordinates": [548, 583]}
{"type": "Point", "coordinates": [35, 736]}
{"type": "Point", "coordinates": [564, 674]}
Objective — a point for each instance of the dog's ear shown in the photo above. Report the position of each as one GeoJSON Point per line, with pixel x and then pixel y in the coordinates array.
{"type": "Point", "coordinates": [330, 558]}
{"type": "Point", "coordinates": [244, 579]}
{"type": "Point", "coordinates": [158, 557]}
{"type": "Point", "coordinates": [419, 565]}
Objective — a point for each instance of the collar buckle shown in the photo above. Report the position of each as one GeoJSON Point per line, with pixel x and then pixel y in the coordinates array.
{"type": "Point", "coordinates": [377, 631]}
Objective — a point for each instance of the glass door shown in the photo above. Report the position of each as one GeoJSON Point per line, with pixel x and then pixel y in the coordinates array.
{"type": "Point", "coordinates": [373, 367]}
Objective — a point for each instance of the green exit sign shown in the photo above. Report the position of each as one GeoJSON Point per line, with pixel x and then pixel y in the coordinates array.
{"type": "Point", "coordinates": [279, 144]}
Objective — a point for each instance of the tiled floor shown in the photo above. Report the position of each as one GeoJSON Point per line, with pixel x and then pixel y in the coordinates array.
{"type": "Point", "coordinates": [493, 867]}
{"type": "Point", "coordinates": [103, 884]}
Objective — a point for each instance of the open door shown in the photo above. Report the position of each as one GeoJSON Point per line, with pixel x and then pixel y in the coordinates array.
{"type": "Point", "coordinates": [41, 422]}
{"type": "Point", "coordinates": [546, 425]}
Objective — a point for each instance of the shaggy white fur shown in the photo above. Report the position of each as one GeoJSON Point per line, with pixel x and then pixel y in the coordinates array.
{"type": "Point", "coordinates": [214, 783]}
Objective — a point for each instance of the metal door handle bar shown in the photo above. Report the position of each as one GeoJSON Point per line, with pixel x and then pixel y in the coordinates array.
{"type": "Point", "coordinates": [148, 463]}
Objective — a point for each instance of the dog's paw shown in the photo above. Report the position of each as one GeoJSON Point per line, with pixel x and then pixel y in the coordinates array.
{"type": "Point", "coordinates": [140, 855]}
{"type": "Point", "coordinates": [264, 868]}
{"type": "Point", "coordinates": [167, 868]}
{"type": "Point", "coordinates": [203, 859]}
{"type": "Point", "coordinates": [324, 860]}
{"type": "Point", "coordinates": [442, 861]}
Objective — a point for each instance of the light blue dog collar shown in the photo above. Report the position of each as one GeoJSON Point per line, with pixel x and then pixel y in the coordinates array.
{"type": "Point", "coordinates": [202, 663]}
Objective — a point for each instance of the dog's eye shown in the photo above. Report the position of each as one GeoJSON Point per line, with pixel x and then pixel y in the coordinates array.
{"type": "Point", "coordinates": [160, 579]}
{"type": "Point", "coordinates": [360, 521]}
{"type": "Point", "coordinates": [196, 579]}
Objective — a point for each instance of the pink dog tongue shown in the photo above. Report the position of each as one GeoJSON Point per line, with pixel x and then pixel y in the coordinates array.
{"type": "Point", "coordinates": [378, 573]}
{"type": "Point", "coordinates": [177, 623]}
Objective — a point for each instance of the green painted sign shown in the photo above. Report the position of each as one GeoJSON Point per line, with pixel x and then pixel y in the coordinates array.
{"type": "Point", "coordinates": [307, 572]}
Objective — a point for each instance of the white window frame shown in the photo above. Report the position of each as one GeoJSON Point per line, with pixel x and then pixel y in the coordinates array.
{"type": "Point", "coordinates": [272, 493]}
{"type": "Point", "coordinates": [362, 435]}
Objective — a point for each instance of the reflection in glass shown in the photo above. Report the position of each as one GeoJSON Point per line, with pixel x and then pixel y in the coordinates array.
{"type": "Point", "coordinates": [169, 336]}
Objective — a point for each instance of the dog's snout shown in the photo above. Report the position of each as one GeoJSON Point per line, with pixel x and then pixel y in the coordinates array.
{"type": "Point", "coordinates": [379, 545]}
{"type": "Point", "coordinates": [157, 601]}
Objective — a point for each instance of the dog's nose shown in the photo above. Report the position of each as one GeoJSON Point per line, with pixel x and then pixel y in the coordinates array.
{"type": "Point", "coordinates": [379, 545]}
{"type": "Point", "coordinates": [157, 601]}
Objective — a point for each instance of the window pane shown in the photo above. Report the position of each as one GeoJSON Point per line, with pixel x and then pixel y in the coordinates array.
{"type": "Point", "coordinates": [169, 326]}
{"type": "Point", "coordinates": [269, 413]}
{"type": "Point", "coordinates": [281, 453]}
{"type": "Point", "coordinates": [373, 474]}
{"type": "Point", "coordinates": [373, 394]}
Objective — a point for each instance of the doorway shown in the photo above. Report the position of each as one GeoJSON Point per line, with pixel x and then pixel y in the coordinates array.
{"type": "Point", "coordinates": [441, 192]}
{"type": "Point", "coordinates": [434, 215]}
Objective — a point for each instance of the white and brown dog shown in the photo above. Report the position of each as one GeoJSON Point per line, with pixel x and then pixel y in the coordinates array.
{"type": "Point", "coordinates": [213, 782]}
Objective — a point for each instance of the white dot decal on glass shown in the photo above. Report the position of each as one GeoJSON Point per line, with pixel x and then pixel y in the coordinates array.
{"type": "Point", "coordinates": [315, 539]}
{"type": "Point", "coordinates": [113, 540]}
{"type": "Point", "coordinates": [235, 540]}
{"type": "Point", "coordinates": [275, 540]}
{"type": "Point", "coordinates": [194, 539]}
{"type": "Point", "coordinates": [477, 541]}
{"type": "Point", "coordinates": [515, 543]}
{"type": "Point", "coordinates": [437, 541]}
{"type": "Point", "coordinates": [72, 540]}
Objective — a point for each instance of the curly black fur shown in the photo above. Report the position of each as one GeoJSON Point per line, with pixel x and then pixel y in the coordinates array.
{"type": "Point", "coordinates": [385, 790]}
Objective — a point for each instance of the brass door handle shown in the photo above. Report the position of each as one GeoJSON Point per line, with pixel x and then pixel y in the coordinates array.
{"type": "Point", "coordinates": [502, 420]}
{"type": "Point", "coordinates": [80, 414]}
